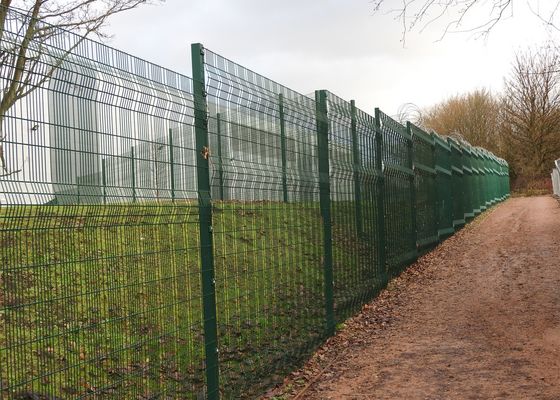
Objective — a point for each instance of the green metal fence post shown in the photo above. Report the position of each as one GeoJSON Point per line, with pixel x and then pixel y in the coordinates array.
{"type": "Point", "coordinates": [414, 208]}
{"type": "Point", "coordinates": [357, 162]}
{"type": "Point", "coordinates": [439, 203]}
{"type": "Point", "coordinates": [220, 163]}
{"type": "Point", "coordinates": [325, 200]}
{"type": "Point", "coordinates": [133, 173]}
{"type": "Point", "coordinates": [205, 225]}
{"type": "Point", "coordinates": [380, 201]}
{"type": "Point", "coordinates": [104, 180]}
{"type": "Point", "coordinates": [507, 187]}
{"type": "Point", "coordinates": [283, 146]}
{"type": "Point", "coordinates": [435, 193]}
{"type": "Point", "coordinates": [171, 165]}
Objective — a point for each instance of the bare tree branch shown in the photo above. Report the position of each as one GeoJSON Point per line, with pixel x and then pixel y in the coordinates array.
{"type": "Point", "coordinates": [461, 14]}
{"type": "Point", "coordinates": [474, 116]}
{"type": "Point", "coordinates": [531, 111]}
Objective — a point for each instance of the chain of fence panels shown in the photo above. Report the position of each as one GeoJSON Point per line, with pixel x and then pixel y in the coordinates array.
{"type": "Point", "coordinates": [555, 175]}
{"type": "Point", "coordinates": [169, 237]}
{"type": "Point", "coordinates": [100, 290]}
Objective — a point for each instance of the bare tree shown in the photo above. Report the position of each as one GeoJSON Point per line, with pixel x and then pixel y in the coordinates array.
{"type": "Point", "coordinates": [473, 116]}
{"type": "Point", "coordinates": [25, 36]}
{"type": "Point", "coordinates": [477, 16]}
{"type": "Point", "coordinates": [531, 112]}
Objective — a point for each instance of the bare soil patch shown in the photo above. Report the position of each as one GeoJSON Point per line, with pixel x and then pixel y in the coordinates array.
{"type": "Point", "coordinates": [477, 318]}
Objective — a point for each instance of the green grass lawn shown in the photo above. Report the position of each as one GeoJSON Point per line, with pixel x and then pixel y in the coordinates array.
{"type": "Point", "coordinates": [105, 301]}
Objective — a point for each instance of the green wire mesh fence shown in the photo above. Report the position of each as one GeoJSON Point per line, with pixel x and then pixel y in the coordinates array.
{"type": "Point", "coordinates": [266, 216]}
{"type": "Point", "coordinates": [399, 194]}
{"type": "Point", "coordinates": [168, 237]}
{"type": "Point", "coordinates": [354, 185]}
{"type": "Point", "coordinates": [424, 165]}
{"type": "Point", "coordinates": [100, 291]}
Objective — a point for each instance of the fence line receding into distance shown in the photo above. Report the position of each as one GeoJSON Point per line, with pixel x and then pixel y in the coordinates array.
{"type": "Point", "coordinates": [165, 237]}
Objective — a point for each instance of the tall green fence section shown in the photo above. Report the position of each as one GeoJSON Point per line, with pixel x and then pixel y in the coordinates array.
{"type": "Point", "coordinates": [444, 187]}
{"type": "Point", "coordinates": [424, 166]}
{"type": "Point", "coordinates": [268, 236]}
{"type": "Point", "coordinates": [168, 237]}
{"type": "Point", "coordinates": [100, 284]}
{"type": "Point", "coordinates": [399, 194]}
{"type": "Point", "coordinates": [355, 179]}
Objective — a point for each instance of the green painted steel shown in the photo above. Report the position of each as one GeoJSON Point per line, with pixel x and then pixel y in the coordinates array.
{"type": "Point", "coordinates": [177, 238]}
{"type": "Point", "coordinates": [132, 174]}
{"type": "Point", "coordinates": [272, 258]}
{"type": "Point", "coordinates": [220, 159]}
{"type": "Point", "coordinates": [468, 181]}
{"type": "Point", "coordinates": [205, 222]}
{"type": "Point", "coordinates": [400, 235]}
{"type": "Point", "coordinates": [283, 147]}
{"type": "Point", "coordinates": [357, 162]}
{"type": "Point", "coordinates": [171, 165]}
{"type": "Point", "coordinates": [325, 204]}
{"type": "Point", "coordinates": [413, 191]}
{"type": "Point", "coordinates": [100, 274]}
{"type": "Point", "coordinates": [458, 184]}
{"type": "Point", "coordinates": [426, 198]}
{"type": "Point", "coordinates": [444, 188]}
{"type": "Point", "coordinates": [358, 273]}
{"type": "Point", "coordinates": [380, 199]}
{"type": "Point", "coordinates": [104, 180]}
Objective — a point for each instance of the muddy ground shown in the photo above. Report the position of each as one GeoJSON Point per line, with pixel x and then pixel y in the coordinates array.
{"type": "Point", "coordinates": [477, 318]}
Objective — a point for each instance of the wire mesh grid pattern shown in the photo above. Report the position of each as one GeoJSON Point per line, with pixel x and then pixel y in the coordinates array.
{"type": "Point", "coordinates": [267, 227]}
{"type": "Point", "coordinates": [400, 202]}
{"type": "Point", "coordinates": [424, 163]}
{"type": "Point", "coordinates": [168, 237]}
{"type": "Point", "coordinates": [100, 289]}
{"type": "Point", "coordinates": [444, 188]}
{"type": "Point", "coordinates": [354, 179]}
{"type": "Point", "coordinates": [459, 184]}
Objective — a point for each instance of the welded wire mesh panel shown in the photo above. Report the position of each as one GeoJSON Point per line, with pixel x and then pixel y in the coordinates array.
{"type": "Point", "coordinates": [504, 179]}
{"type": "Point", "coordinates": [474, 182]}
{"type": "Point", "coordinates": [457, 183]}
{"type": "Point", "coordinates": [477, 181]}
{"type": "Point", "coordinates": [399, 191]}
{"type": "Point", "coordinates": [355, 190]}
{"type": "Point", "coordinates": [482, 179]}
{"type": "Point", "coordinates": [501, 179]}
{"type": "Point", "coordinates": [500, 182]}
{"type": "Point", "coordinates": [474, 210]}
{"type": "Point", "coordinates": [494, 189]}
{"type": "Point", "coordinates": [486, 178]}
{"type": "Point", "coordinates": [497, 186]}
{"type": "Point", "coordinates": [468, 182]}
{"type": "Point", "coordinates": [444, 179]}
{"type": "Point", "coordinates": [492, 196]}
{"type": "Point", "coordinates": [423, 148]}
{"type": "Point", "coordinates": [267, 227]}
{"type": "Point", "coordinates": [99, 281]}
{"type": "Point", "coordinates": [492, 181]}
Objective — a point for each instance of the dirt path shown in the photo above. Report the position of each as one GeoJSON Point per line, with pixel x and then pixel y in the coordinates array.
{"type": "Point", "coordinates": [478, 318]}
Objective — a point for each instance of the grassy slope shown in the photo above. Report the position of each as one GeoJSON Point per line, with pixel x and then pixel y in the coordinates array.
{"type": "Point", "coordinates": [106, 300]}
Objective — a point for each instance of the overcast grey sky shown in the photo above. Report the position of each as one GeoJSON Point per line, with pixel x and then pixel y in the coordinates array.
{"type": "Point", "coordinates": [330, 44]}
